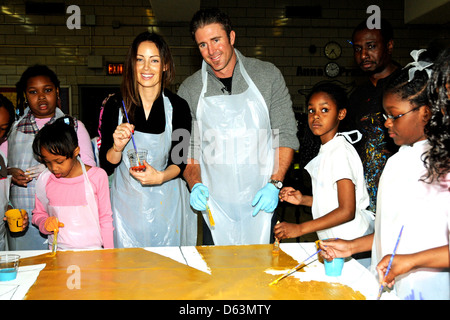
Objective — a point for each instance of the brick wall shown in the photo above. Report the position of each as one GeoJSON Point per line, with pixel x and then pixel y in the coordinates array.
{"type": "Point", "coordinates": [262, 31]}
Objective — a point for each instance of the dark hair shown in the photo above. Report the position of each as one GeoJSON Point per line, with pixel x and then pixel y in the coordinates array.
{"type": "Point", "coordinates": [59, 138]}
{"type": "Point", "coordinates": [31, 72]}
{"type": "Point", "coordinates": [386, 30]}
{"type": "Point", "coordinates": [335, 91]}
{"type": "Point", "coordinates": [5, 103]}
{"type": "Point", "coordinates": [437, 160]}
{"type": "Point", "coordinates": [205, 17]}
{"type": "Point", "coordinates": [129, 87]}
{"type": "Point", "coordinates": [414, 91]}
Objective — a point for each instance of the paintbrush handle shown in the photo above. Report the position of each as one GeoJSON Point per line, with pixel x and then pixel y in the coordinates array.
{"type": "Point", "coordinates": [303, 262]}
{"type": "Point", "coordinates": [134, 143]}
{"type": "Point", "coordinates": [211, 219]}
{"type": "Point", "coordinates": [390, 263]}
{"type": "Point", "coordinates": [55, 242]}
{"type": "Point", "coordinates": [295, 268]}
{"type": "Point", "coordinates": [380, 291]}
{"type": "Point", "coordinates": [393, 253]}
{"type": "Point", "coordinates": [132, 135]}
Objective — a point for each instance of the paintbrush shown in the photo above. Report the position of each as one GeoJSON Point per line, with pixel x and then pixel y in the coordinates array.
{"type": "Point", "coordinates": [389, 264]}
{"type": "Point", "coordinates": [55, 238]}
{"type": "Point", "coordinates": [211, 220]}
{"type": "Point", "coordinates": [55, 242]}
{"type": "Point", "coordinates": [132, 135]}
{"type": "Point", "coordinates": [296, 268]}
{"type": "Point", "coordinates": [276, 245]}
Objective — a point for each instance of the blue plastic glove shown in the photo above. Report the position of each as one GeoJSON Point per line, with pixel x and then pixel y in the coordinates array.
{"type": "Point", "coordinates": [199, 196]}
{"type": "Point", "coordinates": [266, 199]}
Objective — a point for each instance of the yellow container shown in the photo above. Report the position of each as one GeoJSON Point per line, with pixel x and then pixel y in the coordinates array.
{"type": "Point", "coordinates": [15, 219]}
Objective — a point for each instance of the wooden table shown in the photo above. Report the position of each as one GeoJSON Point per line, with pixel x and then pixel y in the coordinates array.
{"type": "Point", "coordinates": [193, 273]}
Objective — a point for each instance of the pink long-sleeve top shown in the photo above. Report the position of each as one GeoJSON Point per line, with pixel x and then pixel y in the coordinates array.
{"type": "Point", "coordinates": [71, 192]}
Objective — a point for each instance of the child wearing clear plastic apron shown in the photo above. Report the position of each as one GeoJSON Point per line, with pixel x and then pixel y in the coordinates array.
{"type": "Point", "coordinates": [82, 229]}
{"type": "Point", "coordinates": [70, 193]}
{"type": "Point", "coordinates": [39, 86]}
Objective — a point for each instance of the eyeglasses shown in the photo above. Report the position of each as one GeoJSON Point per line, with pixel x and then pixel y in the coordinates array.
{"type": "Point", "coordinates": [393, 118]}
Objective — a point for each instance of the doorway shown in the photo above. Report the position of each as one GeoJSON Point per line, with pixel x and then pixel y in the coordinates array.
{"type": "Point", "coordinates": [91, 98]}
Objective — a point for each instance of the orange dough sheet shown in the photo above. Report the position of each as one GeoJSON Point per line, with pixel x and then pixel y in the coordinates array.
{"type": "Point", "coordinates": [237, 272]}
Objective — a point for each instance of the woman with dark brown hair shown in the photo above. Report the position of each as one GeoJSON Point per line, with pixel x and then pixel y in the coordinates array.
{"type": "Point", "coordinates": [150, 206]}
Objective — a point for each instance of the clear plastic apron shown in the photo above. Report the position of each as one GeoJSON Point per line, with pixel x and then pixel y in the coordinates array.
{"type": "Point", "coordinates": [237, 161]}
{"type": "Point", "coordinates": [20, 155]}
{"type": "Point", "coordinates": [81, 223]}
{"type": "Point", "coordinates": [156, 215]}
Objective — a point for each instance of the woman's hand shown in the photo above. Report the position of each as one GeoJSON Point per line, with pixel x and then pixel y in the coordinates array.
{"type": "Point", "coordinates": [122, 135]}
{"type": "Point", "coordinates": [150, 176]}
{"type": "Point", "coordinates": [19, 177]}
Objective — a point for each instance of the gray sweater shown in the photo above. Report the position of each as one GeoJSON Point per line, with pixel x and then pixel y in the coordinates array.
{"type": "Point", "coordinates": [269, 81]}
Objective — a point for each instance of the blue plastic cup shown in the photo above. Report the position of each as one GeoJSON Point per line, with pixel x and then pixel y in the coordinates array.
{"type": "Point", "coordinates": [334, 267]}
{"type": "Point", "coordinates": [9, 264]}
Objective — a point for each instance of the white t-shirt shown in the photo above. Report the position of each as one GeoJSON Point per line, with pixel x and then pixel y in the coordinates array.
{"type": "Point", "coordinates": [423, 209]}
{"type": "Point", "coordinates": [336, 160]}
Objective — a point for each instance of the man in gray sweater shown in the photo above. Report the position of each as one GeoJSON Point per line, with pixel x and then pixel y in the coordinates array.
{"type": "Point", "coordinates": [243, 139]}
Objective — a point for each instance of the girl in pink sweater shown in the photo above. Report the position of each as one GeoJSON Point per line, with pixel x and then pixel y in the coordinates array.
{"type": "Point", "coordinates": [70, 192]}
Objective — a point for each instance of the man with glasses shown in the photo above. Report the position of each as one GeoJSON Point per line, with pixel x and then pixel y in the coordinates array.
{"type": "Point", "coordinates": [372, 50]}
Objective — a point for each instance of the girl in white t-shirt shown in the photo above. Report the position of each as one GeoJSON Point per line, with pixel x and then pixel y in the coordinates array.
{"type": "Point", "coordinates": [340, 196]}
{"type": "Point", "coordinates": [409, 199]}
{"type": "Point", "coordinates": [431, 258]}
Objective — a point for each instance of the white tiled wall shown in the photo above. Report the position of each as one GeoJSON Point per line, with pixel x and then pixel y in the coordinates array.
{"type": "Point", "coordinates": [261, 27]}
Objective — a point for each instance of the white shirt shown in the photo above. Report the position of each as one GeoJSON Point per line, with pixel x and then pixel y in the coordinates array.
{"type": "Point", "coordinates": [337, 160]}
{"type": "Point", "coordinates": [423, 209]}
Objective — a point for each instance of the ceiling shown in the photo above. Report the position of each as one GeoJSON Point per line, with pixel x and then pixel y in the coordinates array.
{"type": "Point", "coordinates": [427, 12]}
{"type": "Point", "coordinates": [416, 11]}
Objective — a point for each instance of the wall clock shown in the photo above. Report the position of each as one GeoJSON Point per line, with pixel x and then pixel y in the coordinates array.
{"type": "Point", "coordinates": [332, 69]}
{"type": "Point", "coordinates": [333, 50]}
